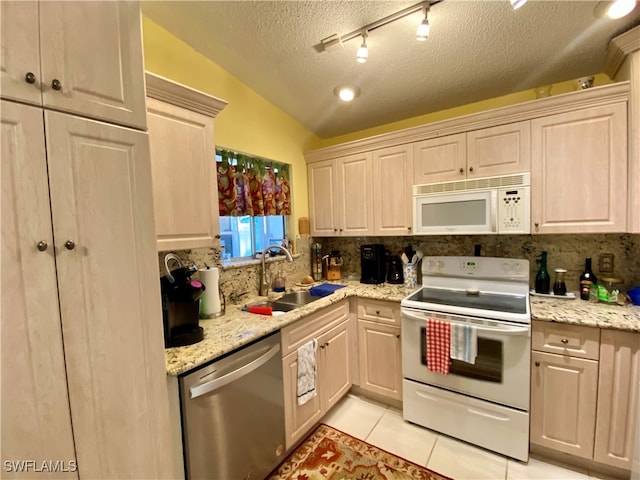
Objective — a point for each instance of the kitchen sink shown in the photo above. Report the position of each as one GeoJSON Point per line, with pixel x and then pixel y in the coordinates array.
{"type": "Point", "coordinates": [288, 302]}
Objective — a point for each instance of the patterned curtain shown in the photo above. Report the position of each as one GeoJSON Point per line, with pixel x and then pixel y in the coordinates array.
{"type": "Point", "coordinates": [252, 186]}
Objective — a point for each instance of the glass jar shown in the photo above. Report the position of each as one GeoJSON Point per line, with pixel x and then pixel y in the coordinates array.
{"type": "Point", "coordinates": [559, 287]}
{"type": "Point", "coordinates": [613, 286]}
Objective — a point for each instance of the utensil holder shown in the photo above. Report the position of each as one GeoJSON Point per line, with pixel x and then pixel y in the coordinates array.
{"type": "Point", "coordinates": [410, 272]}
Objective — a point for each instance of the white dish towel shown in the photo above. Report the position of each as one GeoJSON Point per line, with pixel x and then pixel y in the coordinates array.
{"type": "Point", "coordinates": [307, 371]}
{"type": "Point", "coordinates": [464, 342]}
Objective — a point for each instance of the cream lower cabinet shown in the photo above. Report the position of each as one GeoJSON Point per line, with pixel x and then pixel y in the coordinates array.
{"type": "Point", "coordinates": [331, 328]}
{"type": "Point", "coordinates": [617, 398]}
{"type": "Point", "coordinates": [185, 187]}
{"type": "Point", "coordinates": [80, 276]}
{"type": "Point", "coordinates": [341, 196]}
{"type": "Point", "coordinates": [379, 348]}
{"type": "Point", "coordinates": [584, 391]}
{"type": "Point", "coordinates": [77, 57]}
{"type": "Point", "coordinates": [579, 171]}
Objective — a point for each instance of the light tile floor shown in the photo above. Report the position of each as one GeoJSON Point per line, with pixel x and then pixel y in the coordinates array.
{"type": "Point", "coordinates": [383, 426]}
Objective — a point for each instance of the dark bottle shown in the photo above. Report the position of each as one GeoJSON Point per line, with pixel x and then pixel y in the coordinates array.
{"type": "Point", "coordinates": [587, 279]}
{"type": "Point", "coordinates": [543, 280]}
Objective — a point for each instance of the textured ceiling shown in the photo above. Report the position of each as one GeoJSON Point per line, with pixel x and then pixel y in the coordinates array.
{"type": "Point", "coordinates": [477, 50]}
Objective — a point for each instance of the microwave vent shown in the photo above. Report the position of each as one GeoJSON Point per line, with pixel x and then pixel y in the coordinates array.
{"type": "Point", "coordinates": [487, 183]}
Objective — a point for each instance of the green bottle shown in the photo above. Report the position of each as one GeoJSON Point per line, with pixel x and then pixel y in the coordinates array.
{"type": "Point", "coordinates": [543, 280]}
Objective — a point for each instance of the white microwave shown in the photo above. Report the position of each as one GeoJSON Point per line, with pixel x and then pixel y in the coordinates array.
{"type": "Point", "coordinates": [481, 205]}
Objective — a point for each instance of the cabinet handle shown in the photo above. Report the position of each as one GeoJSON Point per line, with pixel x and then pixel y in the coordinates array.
{"type": "Point", "coordinates": [340, 230]}
{"type": "Point", "coordinates": [471, 169]}
{"type": "Point", "coordinates": [537, 363]}
{"type": "Point", "coordinates": [218, 236]}
{"type": "Point", "coordinates": [398, 336]}
{"type": "Point", "coordinates": [409, 228]}
{"type": "Point", "coordinates": [335, 229]}
{"type": "Point", "coordinates": [536, 224]}
{"type": "Point", "coordinates": [461, 170]}
{"type": "Point", "coordinates": [42, 245]}
{"type": "Point", "coordinates": [565, 340]}
{"type": "Point", "coordinates": [30, 78]}
{"type": "Point", "coordinates": [377, 312]}
{"type": "Point", "coordinates": [69, 245]}
{"type": "Point", "coordinates": [56, 84]}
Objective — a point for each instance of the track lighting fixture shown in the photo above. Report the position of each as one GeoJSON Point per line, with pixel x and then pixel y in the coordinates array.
{"type": "Point", "coordinates": [422, 33]}
{"type": "Point", "coordinates": [516, 4]}
{"type": "Point", "coordinates": [363, 51]}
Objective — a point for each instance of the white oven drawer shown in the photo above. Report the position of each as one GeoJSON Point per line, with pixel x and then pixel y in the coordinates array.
{"type": "Point", "coordinates": [497, 428]}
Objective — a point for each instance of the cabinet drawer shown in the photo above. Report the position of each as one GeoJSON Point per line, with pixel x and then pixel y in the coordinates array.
{"type": "Point", "coordinates": [379, 311]}
{"type": "Point", "coordinates": [296, 334]}
{"type": "Point", "coordinates": [574, 340]}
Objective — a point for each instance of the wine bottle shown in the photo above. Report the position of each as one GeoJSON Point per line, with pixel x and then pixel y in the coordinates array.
{"type": "Point", "coordinates": [543, 280]}
{"type": "Point", "coordinates": [587, 279]}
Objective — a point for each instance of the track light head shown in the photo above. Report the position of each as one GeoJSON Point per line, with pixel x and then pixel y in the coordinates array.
{"type": "Point", "coordinates": [363, 51]}
{"type": "Point", "coordinates": [422, 33]}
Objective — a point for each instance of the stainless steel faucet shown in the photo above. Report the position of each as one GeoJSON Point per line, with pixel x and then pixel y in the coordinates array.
{"type": "Point", "coordinates": [264, 287]}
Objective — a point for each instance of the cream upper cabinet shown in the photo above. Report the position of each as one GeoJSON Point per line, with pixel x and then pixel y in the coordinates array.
{"type": "Point", "coordinates": [488, 152]}
{"type": "Point", "coordinates": [500, 150]}
{"type": "Point", "coordinates": [341, 196]}
{"type": "Point", "coordinates": [183, 164]}
{"type": "Point", "coordinates": [617, 398]}
{"type": "Point", "coordinates": [440, 159]}
{"type": "Point", "coordinates": [579, 171]}
{"type": "Point", "coordinates": [77, 57]}
{"type": "Point", "coordinates": [392, 180]}
{"type": "Point", "coordinates": [36, 422]}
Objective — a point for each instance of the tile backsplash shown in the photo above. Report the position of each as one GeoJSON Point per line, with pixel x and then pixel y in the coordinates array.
{"type": "Point", "coordinates": [564, 251]}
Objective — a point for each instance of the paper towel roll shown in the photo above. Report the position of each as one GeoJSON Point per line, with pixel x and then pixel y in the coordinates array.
{"type": "Point", "coordinates": [210, 299]}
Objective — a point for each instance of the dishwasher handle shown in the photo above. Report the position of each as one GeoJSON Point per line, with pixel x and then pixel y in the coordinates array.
{"type": "Point", "coordinates": [208, 387]}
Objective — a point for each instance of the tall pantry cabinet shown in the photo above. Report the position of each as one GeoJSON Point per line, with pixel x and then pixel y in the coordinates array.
{"type": "Point", "coordinates": [82, 358]}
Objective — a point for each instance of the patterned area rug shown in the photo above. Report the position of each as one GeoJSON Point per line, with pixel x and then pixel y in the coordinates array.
{"type": "Point", "coordinates": [329, 454]}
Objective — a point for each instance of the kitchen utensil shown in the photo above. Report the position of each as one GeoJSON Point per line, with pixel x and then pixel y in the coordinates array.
{"type": "Point", "coordinates": [404, 258]}
{"type": "Point", "coordinates": [332, 264]}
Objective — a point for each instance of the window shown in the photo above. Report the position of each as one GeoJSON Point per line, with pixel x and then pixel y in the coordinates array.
{"type": "Point", "coordinates": [254, 203]}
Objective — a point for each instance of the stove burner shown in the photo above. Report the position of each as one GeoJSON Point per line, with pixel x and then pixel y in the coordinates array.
{"type": "Point", "coordinates": [464, 298]}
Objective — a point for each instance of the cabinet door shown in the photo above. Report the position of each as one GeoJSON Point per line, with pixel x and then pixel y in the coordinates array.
{"type": "Point", "coordinates": [36, 423]}
{"type": "Point", "coordinates": [184, 178]}
{"type": "Point", "coordinates": [563, 403]}
{"type": "Point", "coordinates": [579, 171]}
{"type": "Point", "coordinates": [323, 189]}
{"type": "Point", "coordinates": [100, 182]}
{"type": "Point", "coordinates": [380, 359]}
{"type": "Point", "coordinates": [20, 51]}
{"type": "Point", "coordinates": [440, 159]}
{"type": "Point", "coordinates": [94, 49]}
{"type": "Point", "coordinates": [334, 375]}
{"type": "Point", "coordinates": [617, 398]}
{"type": "Point", "coordinates": [298, 419]}
{"type": "Point", "coordinates": [392, 180]}
{"type": "Point", "coordinates": [499, 150]}
{"type": "Point", "coordinates": [355, 195]}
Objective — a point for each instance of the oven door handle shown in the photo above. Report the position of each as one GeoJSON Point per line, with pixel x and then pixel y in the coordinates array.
{"type": "Point", "coordinates": [505, 330]}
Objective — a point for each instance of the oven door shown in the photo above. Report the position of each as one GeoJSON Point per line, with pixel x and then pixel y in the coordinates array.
{"type": "Point", "coordinates": [502, 368]}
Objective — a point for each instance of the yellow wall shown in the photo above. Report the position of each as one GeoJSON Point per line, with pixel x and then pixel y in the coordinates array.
{"type": "Point", "coordinates": [249, 123]}
{"type": "Point", "coordinates": [511, 99]}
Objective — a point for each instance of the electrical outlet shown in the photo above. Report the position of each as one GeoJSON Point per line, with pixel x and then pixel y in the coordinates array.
{"type": "Point", "coordinates": [605, 263]}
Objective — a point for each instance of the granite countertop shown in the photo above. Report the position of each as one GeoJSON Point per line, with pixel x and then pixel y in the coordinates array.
{"type": "Point", "coordinates": [237, 328]}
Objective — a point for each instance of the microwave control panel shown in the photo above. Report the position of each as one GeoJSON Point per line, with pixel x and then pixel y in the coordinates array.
{"type": "Point", "coordinates": [514, 210]}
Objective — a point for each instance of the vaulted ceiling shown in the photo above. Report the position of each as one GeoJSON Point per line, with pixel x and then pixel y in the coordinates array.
{"type": "Point", "coordinates": [477, 49]}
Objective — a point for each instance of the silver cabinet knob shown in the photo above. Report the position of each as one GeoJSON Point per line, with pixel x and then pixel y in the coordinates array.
{"type": "Point", "coordinates": [565, 340]}
{"type": "Point", "coordinates": [30, 77]}
{"type": "Point", "coordinates": [42, 246]}
{"type": "Point", "coordinates": [56, 84]}
{"type": "Point", "coordinates": [69, 245]}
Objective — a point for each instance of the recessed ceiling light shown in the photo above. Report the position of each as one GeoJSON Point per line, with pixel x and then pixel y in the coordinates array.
{"type": "Point", "coordinates": [346, 94]}
{"type": "Point", "coordinates": [516, 4]}
{"type": "Point", "coordinates": [614, 9]}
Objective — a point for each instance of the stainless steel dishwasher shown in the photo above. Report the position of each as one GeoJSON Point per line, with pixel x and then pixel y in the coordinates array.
{"type": "Point", "coordinates": [233, 414]}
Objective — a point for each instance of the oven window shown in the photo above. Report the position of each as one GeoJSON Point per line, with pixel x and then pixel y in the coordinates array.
{"type": "Point", "coordinates": [488, 366]}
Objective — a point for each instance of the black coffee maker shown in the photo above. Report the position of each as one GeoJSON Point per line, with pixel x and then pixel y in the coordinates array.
{"type": "Point", "coordinates": [181, 305]}
{"type": "Point", "coordinates": [372, 263]}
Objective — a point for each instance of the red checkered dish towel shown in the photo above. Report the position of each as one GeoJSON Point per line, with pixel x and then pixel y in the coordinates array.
{"type": "Point", "coordinates": [438, 345]}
